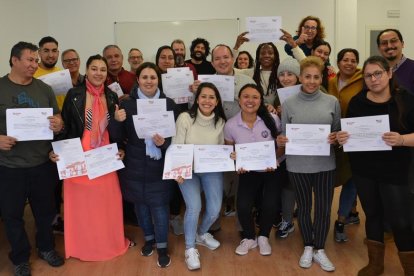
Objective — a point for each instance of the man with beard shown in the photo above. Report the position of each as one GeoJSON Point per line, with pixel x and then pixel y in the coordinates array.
{"type": "Point", "coordinates": [390, 44]}
{"type": "Point", "coordinates": [49, 54]}
{"type": "Point", "coordinates": [200, 49]}
{"type": "Point", "coordinates": [135, 59]}
{"type": "Point", "coordinates": [179, 48]}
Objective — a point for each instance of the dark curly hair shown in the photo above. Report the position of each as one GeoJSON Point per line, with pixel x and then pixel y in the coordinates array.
{"type": "Point", "coordinates": [197, 41]}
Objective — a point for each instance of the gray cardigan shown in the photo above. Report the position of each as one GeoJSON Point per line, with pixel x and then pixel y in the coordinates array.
{"type": "Point", "coordinates": [315, 108]}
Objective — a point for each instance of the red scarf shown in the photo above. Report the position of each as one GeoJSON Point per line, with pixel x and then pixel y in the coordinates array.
{"type": "Point", "coordinates": [99, 117]}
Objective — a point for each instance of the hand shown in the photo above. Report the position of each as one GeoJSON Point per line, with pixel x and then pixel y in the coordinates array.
{"type": "Point", "coordinates": [56, 123]}
{"type": "Point", "coordinates": [7, 142]}
{"type": "Point", "coordinates": [270, 169]}
{"type": "Point", "coordinates": [332, 138]}
{"type": "Point", "coordinates": [303, 37]}
{"type": "Point", "coordinates": [194, 86]}
{"type": "Point", "coordinates": [120, 114]}
{"type": "Point", "coordinates": [233, 155]}
{"type": "Point", "coordinates": [393, 139]}
{"type": "Point", "coordinates": [158, 140]}
{"type": "Point", "coordinates": [287, 37]}
{"type": "Point", "coordinates": [241, 171]}
{"type": "Point", "coordinates": [281, 141]}
{"type": "Point", "coordinates": [240, 40]}
{"type": "Point", "coordinates": [53, 156]}
{"type": "Point", "coordinates": [342, 137]}
{"type": "Point", "coordinates": [331, 71]}
{"type": "Point", "coordinates": [279, 110]}
{"type": "Point", "coordinates": [180, 180]}
{"type": "Point", "coordinates": [121, 154]}
{"type": "Point", "coordinates": [271, 108]}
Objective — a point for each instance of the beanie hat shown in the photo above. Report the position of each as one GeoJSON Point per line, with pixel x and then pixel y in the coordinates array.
{"type": "Point", "coordinates": [289, 64]}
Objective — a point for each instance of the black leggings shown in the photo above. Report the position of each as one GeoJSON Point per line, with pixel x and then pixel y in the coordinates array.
{"type": "Point", "coordinates": [380, 197]}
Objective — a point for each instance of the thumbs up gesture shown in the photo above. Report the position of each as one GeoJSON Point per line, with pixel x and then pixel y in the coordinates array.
{"type": "Point", "coordinates": [120, 114]}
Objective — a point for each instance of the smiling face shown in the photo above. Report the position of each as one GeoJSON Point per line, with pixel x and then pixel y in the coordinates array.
{"type": "Point", "coordinates": [115, 58]}
{"type": "Point", "coordinates": [26, 65]}
{"type": "Point", "coordinates": [322, 52]}
{"type": "Point", "coordinates": [222, 60]}
{"type": "Point", "coordinates": [348, 65]}
{"type": "Point", "coordinates": [70, 60]}
{"type": "Point", "coordinates": [287, 79]}
{"type": "Point", "coordinates": [207, 101]}
{"type": "Point", "coordinates": [390, 46]}
{"type": "Point", "coordinates": [148, 82]}
{"type": "Point", "coordinates": [49, 54]}
{"type": "Point", "coordinates": [243, 61]}
{"type": "Point", "coordinates": [310, 29]}
{"type": "Point", "coordinates": [311, 79]}
{"type": "Point", "coordinates": [249, 100]}
{"type": "Point", "coordinates": [266, 57]}
{"type": "Point", "coordinates": [96, 72]}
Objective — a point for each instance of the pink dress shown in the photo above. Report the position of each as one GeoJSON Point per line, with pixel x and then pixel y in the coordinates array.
{"type": "Point", "coordinates": [94, 229]}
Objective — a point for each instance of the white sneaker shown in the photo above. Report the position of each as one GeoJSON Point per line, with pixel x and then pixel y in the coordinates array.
{"type": "Point", "coordinates": [319, 256]}
{"type": "Point", "coordinates": [192, 258]}
{"type": "Point", "coordinates": [306, 258]}
{"type": "Point", "coordinates": [207, 240]}
{"type": "Point", "coordinates": [177, 225]}
{"type": "Point", "coordinates": [264, 247]}
{"type": "Point", "coordinates": [245, 246]}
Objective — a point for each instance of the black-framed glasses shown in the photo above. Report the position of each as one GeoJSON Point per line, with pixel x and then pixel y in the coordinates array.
{"type": "Point", "coordinates": [312, 28]}
{"type": "Point", "coordinates": [377, 75]}
{"type": "Point", "coordinates": [71, 60]}
{"type": "Point", "coordinates": [391, 41]}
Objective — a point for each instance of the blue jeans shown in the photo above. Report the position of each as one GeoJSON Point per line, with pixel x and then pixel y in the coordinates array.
{"type": "Point", "coordinates": [154, 222]}
{"type": "Point", "coordinates": [347, 198]}
{"type": "Point", "coordinates": [212, 185]}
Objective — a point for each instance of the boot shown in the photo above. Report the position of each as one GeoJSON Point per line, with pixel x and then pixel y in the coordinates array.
{"type": "Point", "coordinates": [376, 251]}
{"type": "Point", "coordinates": [407, 262]}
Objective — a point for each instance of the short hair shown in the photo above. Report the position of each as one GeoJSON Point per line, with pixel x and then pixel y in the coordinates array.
{"type": "Point", "coordinates": [312, 61]}
{"type": "Point", "coordinates": [222, 45]}
{"type": "Point", "coordinates": [199, 40]}
{"type": "Point", "coordinates": [133, 49]}
{"type": "Point", "coordinates": [47, 39]}
{"type": "Point", "coordinates": [251, 60]}
{"type": "Point", "coordinates": [96, 57]}
{"type": "Point", "coordinates": [67, 51]}
{"type": "Point", "coordinates": [18, 48]}
{"type": "Point", "coordinates": [342, 53]}
{"type": "Point", "coordinates": [320, 34]}
{"type": "Point", "coordinates": [389, 30]}
{"type": "Point", "coordinates": [109, 47]}
{"type": "Point", "coordinates": [177, 41]}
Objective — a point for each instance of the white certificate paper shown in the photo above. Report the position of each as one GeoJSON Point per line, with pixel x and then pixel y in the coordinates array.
{"type": "Point", "coordinates": [213, 158]}
{"type": "Point", "coordinates": [29, 124]}
{"type": "Point", "coordinates": [147, 106]}
{"type": "Point", "coordinates": [308, 139]}
{"type": "Point", "coordinates": [224, 84]}
{"type": "Point", "coordinates": [60, 81]}
{"type": "Point", "coordinates": [256, 156]}
{"type": "Point", "coordinates": [264, 29]}
{"type": "Point", "coordinates": [71, 158]}
{"type": "Point", "coordinates": [365, 133]}
{"type": "Point", "coordinates": [176, 83]}
{"type": "Point", "coordinates": [178, 161]}
{"type": "Point", "coordinates": [287, 92]}
{"type": "Point", "coordinates": [103, 160]}
{"type": "Point", "coordinates": [147, 125]}
{"type": "Point", "coordinates": [115, 87]}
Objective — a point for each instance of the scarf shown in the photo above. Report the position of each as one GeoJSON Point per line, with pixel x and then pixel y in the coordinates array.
{"type": "Point", "coordinates": [151, 149]}
{"type": "Point", "coordinates": [99, 117]}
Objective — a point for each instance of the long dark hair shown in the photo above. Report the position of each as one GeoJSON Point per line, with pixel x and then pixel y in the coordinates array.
{"type": "Point", "coordinates": [273, 75]}
{"type": "Point", "coordinates": [157, 56]}
{"type": "Point", "coordinates": [394, 88]}
{"type": "Point", "coordinates": [251, 60]}
{"type": "Point", "coordinates": [151, 66]}
{"type": "Point", "coordinates": [262, 112]}
{"type": "Point", "coordinates": [218, 110]}
{"type": "Point", "coordinates": [325, 72]}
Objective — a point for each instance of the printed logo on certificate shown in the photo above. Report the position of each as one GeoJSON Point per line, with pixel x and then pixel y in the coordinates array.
{"type": "Point", "coordinates": [178, 161]}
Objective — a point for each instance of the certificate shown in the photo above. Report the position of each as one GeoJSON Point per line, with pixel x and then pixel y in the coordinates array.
{"type": "Point", "coordinates": [178, 161]}
{"type": "Point", "coordinates": [103, 160]}
{"type": "Point", "coordinates": [176, 84]}
{"type": "Point", "coordinates": [147, 106]}
{"type": "Point", "coordinates": [115, 87]}
{"type": "Point", "coordinates": [224, 84]}
{"type": "Point", "coordinates": [60, 81]}
{"type": "Point", "coordinates": [213, 158]}
{"type": "Point", "coordinates": [29, 124]}
{"type": "Point", "coordinates": [287, 92]}
{"type": "Point", "coordinates": [256, 156]}
{"type": "Point", "coordinates": [308, 139]}
{"type": "Point", "coordinates": [178, 70]}
{"type": "Point", "coordinates": [365, 133]}
{"type": "Point", "coordinates": [146, 125]}
{"type": "Point", "coordinates": [71, 158]}
{"type": "Point", "coordinates": [264, 29]}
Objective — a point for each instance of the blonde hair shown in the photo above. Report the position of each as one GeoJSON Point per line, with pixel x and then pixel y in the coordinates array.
{"type": "Point", "coordinates": [312, 61]}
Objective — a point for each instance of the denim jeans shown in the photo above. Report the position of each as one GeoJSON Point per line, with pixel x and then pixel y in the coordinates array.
{"type": "Point", "coordinates": [154, 221]}
{"type": "Point", "coordinates": [212, 185]}
{"type": "Point", "coordinates": [347, 198]}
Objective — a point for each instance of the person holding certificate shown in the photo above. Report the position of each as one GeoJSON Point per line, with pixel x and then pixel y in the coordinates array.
{"type": "Point", "coordinates": [309, 172]}
{"type": "Point", "coordinates": [202, 125]}
{"type": "Point", "coordinates": [94, 229]}
{"type": "Point", "coordinates": [381, 177]}
{"type": "Point", "coordinates": [255, 124]}
{"type": "Point", "coordinates": [141, 180]}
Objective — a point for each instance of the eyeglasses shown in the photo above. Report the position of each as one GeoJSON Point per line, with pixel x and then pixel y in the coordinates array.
{"type": "Point", "coordinates": [311, 28]}
{"type": "Point", "coordinates": [391, 41]}
{"type": "Point", "coordinates": [71, 60]}
{"type": "Point", "coordinates": [377, 75]}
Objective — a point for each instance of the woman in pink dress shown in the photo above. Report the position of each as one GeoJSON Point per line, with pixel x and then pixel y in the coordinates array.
{"type": "Point", "coordinates": [94, 228]}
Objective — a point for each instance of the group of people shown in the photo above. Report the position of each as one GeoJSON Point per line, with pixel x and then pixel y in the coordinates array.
{"type": "Point", "coordinates": [93, 222]}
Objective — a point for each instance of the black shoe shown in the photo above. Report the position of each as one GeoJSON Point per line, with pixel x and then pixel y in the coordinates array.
{"type": "Point", "coordinates": [353, 218]}
{"type": "Point", "coordinates": [58, 226]}
{"type": "Point", "coordinates": [339, 232]}
{"type": "Point", "coordinates": [164, 259]}
{"type": "Point", "coordinates": [22, 269]}
{"type": "Point", "coordinates": [51, 257]}
{"type": "Point", "coordinates": [148, 248]}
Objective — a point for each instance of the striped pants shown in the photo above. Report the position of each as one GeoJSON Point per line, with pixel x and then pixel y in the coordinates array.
{"type": "Point", "coordinates": [322, 184]}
